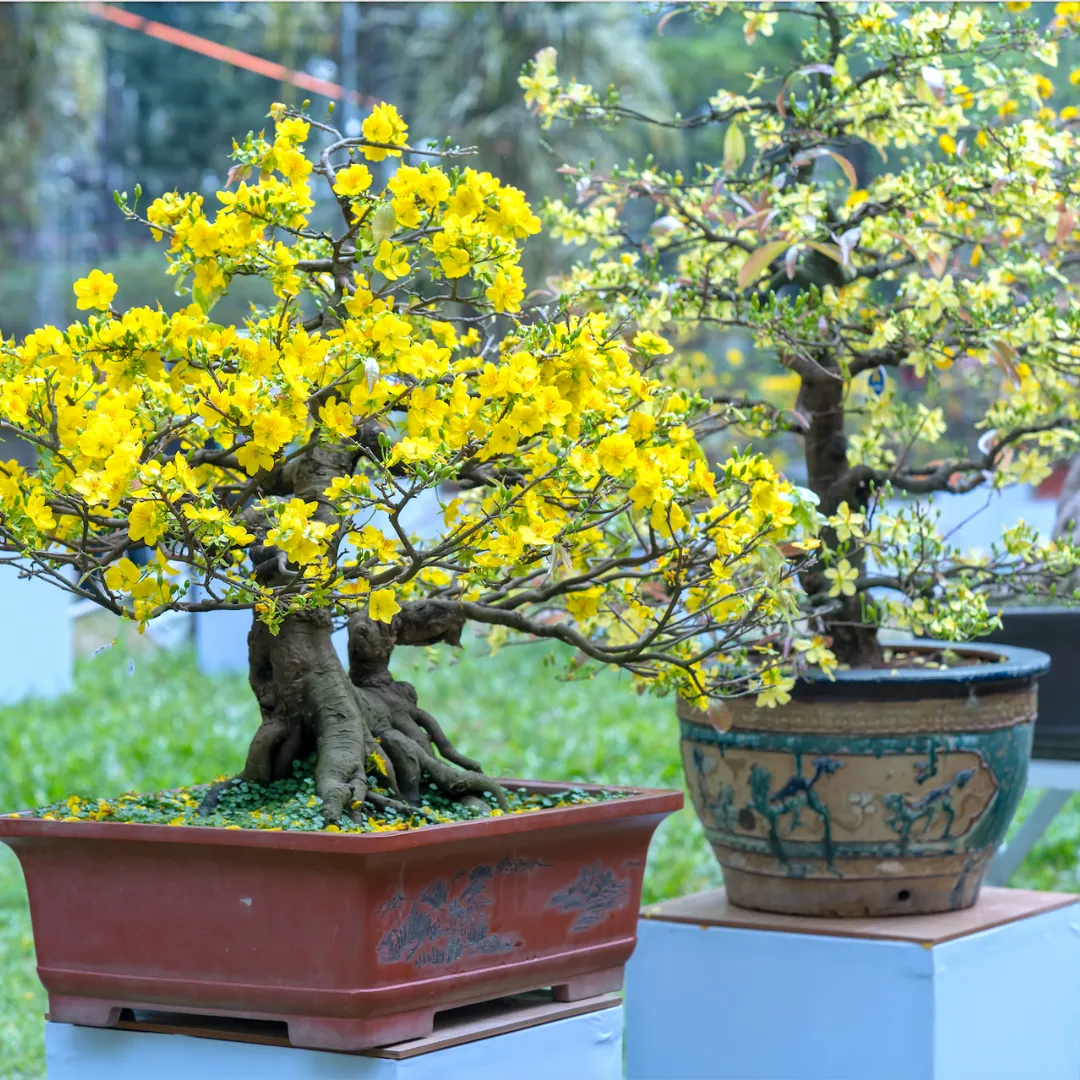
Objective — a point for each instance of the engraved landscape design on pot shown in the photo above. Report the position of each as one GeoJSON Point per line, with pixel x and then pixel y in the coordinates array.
{"type": "Point", "coordinates": [786, 798]}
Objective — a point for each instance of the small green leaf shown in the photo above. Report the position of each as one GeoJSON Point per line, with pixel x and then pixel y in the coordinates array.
{"type": "Point", "coordinates": [734, 148]}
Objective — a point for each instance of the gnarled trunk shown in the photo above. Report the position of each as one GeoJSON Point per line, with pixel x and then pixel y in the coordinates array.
{"type": "Point", "coordinates": [358, 724]}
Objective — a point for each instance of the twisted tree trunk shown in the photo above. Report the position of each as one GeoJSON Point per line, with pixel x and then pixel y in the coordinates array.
{"type": "Point", "coordinates": [361, 723]}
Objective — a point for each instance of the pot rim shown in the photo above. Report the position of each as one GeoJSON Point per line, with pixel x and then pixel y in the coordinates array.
{"type": "Point", "coordinates": [639, 802]}
{"type": "Point", "coordinates": [1012, 663]}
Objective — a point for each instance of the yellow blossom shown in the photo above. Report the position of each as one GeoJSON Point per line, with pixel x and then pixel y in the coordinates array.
{"type": "Point", "coordinates": [353, 180]}
{"type": "Point", "coordinates": [95, 291]}
{"type": "Point", "coordinates": [383, 605]}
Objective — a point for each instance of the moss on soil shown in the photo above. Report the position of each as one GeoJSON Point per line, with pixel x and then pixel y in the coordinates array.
{"type": "Point", "coordinates": [293, 805]}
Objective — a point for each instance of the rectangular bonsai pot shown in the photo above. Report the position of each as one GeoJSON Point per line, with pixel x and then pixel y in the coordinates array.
{"type": "Point", "coordinates": [352, 940]}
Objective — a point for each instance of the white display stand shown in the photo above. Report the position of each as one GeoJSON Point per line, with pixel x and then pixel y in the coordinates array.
{"type": "Point", "coordinates": [992, 993]}
{"type": "Point", "coordinates": [528, 1037]}
{"type": "Point", "coordinates": [37, 650]}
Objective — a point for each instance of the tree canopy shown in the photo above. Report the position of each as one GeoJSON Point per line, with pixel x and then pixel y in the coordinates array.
{"type": "Point", "coordinates": [274, 461]}
{"type": "Point", "coordinates": [955, 260]}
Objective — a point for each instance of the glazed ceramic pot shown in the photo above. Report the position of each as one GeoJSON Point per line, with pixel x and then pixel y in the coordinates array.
{"type": "Point", "coordinates": [885, 792]}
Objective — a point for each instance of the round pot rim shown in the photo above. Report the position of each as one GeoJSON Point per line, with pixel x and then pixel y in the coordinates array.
{"type": "Point", "coordinates": [1012, 663]}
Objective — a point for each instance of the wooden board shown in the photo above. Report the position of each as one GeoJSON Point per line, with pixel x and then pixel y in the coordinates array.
{"type": "Point", "coordinates": [452, 1028]}
{"type": "Point", "coordinates": [994, 908]}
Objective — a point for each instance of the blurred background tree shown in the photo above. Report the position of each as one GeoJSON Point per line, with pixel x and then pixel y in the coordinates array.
{"type": "Point", "coordinates": [470, 89]}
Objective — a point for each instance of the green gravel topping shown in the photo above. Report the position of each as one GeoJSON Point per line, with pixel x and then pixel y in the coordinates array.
{"type": "Point", "coordinates": [292, 805]}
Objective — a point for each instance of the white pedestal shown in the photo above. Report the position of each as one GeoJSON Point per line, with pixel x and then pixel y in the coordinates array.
{"type": "Point", "coordinates": [988, 994]}
{"type": "Point", "coordinates": [513, 1039]}
{"type": "Point", "coordinates": [37, 652]}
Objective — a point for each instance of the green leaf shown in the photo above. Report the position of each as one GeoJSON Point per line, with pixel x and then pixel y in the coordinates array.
{"type": "Point", "coordinates": [734, 148]}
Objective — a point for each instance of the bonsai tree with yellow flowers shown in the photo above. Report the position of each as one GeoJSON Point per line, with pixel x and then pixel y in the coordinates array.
{"type": "Point", "coordinates": [269, 466]}
{"type": "Point", "coordinates": [891, 220]}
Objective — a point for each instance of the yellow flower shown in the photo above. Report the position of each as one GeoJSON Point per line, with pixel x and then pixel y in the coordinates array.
{"type": "Point", "coordinates": [122, 576]}
{"type": "Point", "coordinates": [383, 605]}
{"type": "Point", "coordinates": [540, 535]}
{"type": "Point", "coordinates": [433, 187]}
{"type": "Point", "coordinates": [507, 291]}
{"type": "Point", "coordinates": [384, 125]}
{"type": "Point", "coordinates": [302, 539]}
{"type": "Point", "coordinates": [650, 344]}
{"type": "Point", "coordinates": [147, 521]}
{"type": "Point", "coordinates": [846, 523]}
{"type": "Point", "coordinates": [583, 605]}
{"type": "Point", "coordinates": [337, 416]}
{"type": "Point", "coordinates": [775, 693]}
{"type": "Point", "coordinates": [455, 263]}
{"type": "Point", "coordinates": [617, 453]}
{"type": "Point", "coordinates": [775, 688]}
{"type": "Point", "coordinates": [392, 262]}
{"type": "Point", "coordinates": [95, 291]}
{"type": "Point", "coordinates": [758, 21]}
{"type": "Point", "coordinates": [353, 180]}
{"type": "Point", "coordinates": [39, 512]}
{"type": "Point", "coordinates": [963, 28]}
{"type": "Point", "coordinates": [843, 578]}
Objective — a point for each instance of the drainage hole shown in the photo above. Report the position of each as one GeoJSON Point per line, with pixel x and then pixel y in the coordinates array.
{"type": "Point", "coordinates": [903, 895]}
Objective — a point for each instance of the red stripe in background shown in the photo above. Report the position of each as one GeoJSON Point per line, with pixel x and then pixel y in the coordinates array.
{"type": "Point", "coordinates": [225, 54]}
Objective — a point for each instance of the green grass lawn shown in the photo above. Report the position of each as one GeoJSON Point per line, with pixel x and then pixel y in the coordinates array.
{"type": "Point", "coordinates": [150, 721]}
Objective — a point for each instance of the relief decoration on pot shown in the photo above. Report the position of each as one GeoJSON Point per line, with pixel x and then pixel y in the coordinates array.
{"type": "Point", "coordinates": [449, 919]}
{"type": "Point", "coordinates": [788, 800]}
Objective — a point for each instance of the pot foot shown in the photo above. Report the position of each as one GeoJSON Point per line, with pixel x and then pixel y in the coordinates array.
{"type": "Point", "coordinates": [334, 1033]}
{"type": "Point", "coordinates": [859, 898]}
{"type": "Point", "coordinates": [592, 984]}
{"type": "Point", "coordinates": [90, 1012]}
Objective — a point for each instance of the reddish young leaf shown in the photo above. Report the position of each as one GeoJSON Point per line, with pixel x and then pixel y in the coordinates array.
{"type": "Point", "coordinates": [752, 269]}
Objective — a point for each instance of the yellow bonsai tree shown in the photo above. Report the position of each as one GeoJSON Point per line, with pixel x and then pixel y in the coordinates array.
{"type": "Point", "coordinates": [270, 466]}
{"type": "Point", "coordinates": [900, 204]}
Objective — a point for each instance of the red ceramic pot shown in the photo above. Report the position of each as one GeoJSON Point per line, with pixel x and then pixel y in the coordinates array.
{"type": "Point", "coordinates": [352, 940]}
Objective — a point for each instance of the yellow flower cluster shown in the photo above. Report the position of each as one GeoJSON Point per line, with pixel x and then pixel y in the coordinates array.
{"type": "Point", "coordinates": [274, 462]}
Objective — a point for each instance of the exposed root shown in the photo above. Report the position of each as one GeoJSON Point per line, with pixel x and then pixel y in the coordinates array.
{"type": "Point", "coordinates": [381, 802]}
{"type": "Point", "coordinates": [371, 723]}
{"type": "Point", "coordinates": [412, 736]}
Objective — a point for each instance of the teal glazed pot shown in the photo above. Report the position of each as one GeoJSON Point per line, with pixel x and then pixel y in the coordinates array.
{"type": "Point", "coordinates": [884, 792]}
